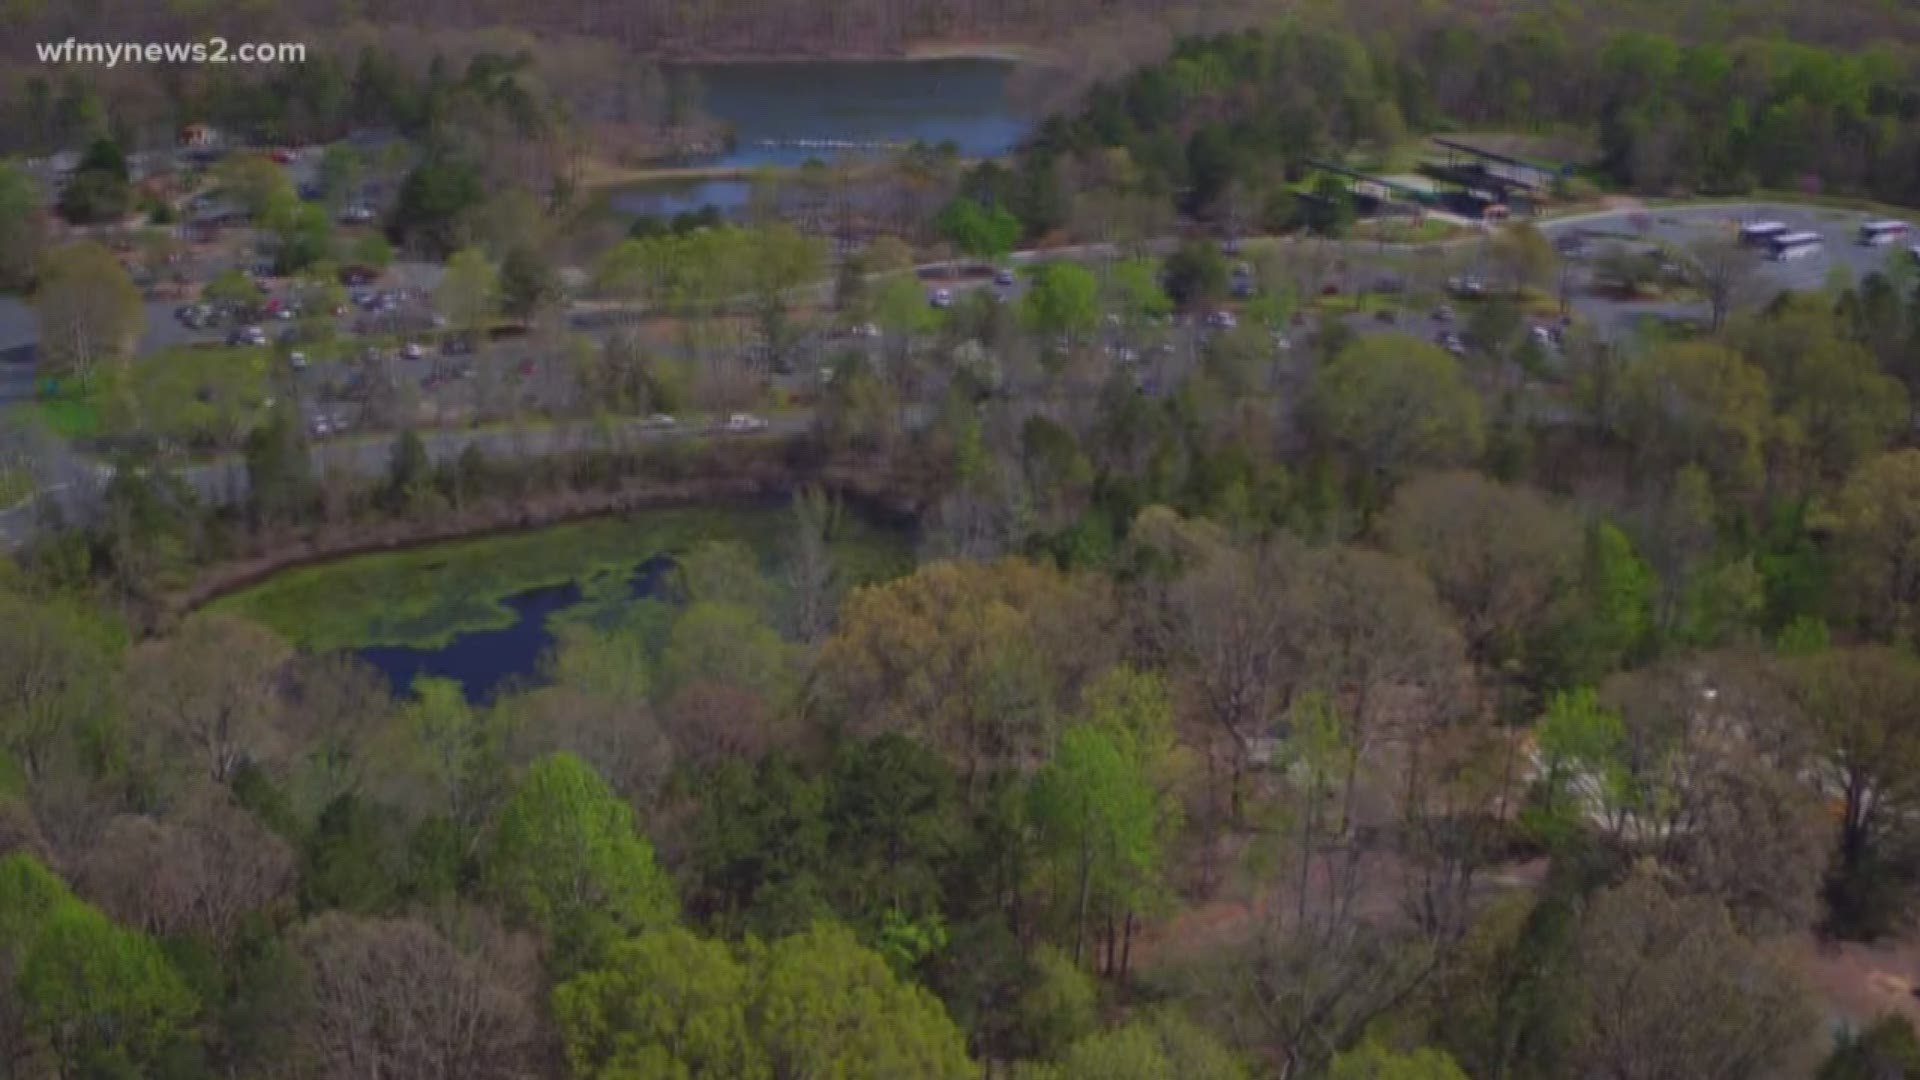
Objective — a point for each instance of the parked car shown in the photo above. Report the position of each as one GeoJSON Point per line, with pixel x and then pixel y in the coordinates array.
{"type": "Point", "coordinates": [1003, 277]}
{"type": "Point", "coordinates": [412, 351]}
{"type": "Point", "coordinates": [941, 298]}
{"type": "Point", "coordinates": [1222, 320]}
{"type": "Point", "coordinates": [741, 423]}
{"type": "Point", "coordinates": [661, 420]}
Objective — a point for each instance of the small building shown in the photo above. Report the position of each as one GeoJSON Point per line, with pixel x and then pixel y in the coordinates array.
{"type": "Point", "coordinates": [198, 136]}
{"type": "Point", "coordinates": [1503, 169]}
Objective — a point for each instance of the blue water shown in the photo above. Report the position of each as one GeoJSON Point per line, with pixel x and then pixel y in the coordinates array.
{"type": "Point", "coordinates": [775, 107]}
{"type": "Point", "coordinates": [486, 662]}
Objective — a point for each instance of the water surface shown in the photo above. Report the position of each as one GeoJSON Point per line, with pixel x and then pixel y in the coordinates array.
{"type": "Point", "coordinates": [785, 113]}
{"type": "Point", "coordinates": [485, 662]}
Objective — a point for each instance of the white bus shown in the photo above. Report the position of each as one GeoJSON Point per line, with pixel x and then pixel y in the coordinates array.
{"type": "Point", "coordinates": [1761, 233]}
{"type": "Point", "coordinates": [1797, 245]}
{"type": "Point", "coordinates": [1881, 233]}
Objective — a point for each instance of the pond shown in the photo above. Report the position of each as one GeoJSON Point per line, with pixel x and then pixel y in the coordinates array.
{"type": "Point", "coordinates": [483, 611]}
{"type": "Point", "coordinates": [486, 661]}
{"type": "Point", "coordinates": [785, 113]}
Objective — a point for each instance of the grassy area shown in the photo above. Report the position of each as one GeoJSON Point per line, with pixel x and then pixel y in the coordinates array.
{"type": "Point", "coordinates": [425, 596]}
{"type": "Point", "coordinates": [1429, 230]}
{"type": "Point", "coordinates": [196, 397]}
{"type": "Point", "coordinates": [15, 485]}
{"type": "Point", "coordinates": [73, 414]}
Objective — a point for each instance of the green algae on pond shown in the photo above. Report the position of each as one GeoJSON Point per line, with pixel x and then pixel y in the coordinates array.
{"type": "Point", "coordinates": [424, 597]}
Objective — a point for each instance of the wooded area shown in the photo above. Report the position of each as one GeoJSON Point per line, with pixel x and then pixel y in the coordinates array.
{"type": "Point", "coordinates": [1282, 694]}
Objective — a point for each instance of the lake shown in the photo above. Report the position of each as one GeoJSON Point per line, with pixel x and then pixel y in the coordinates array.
{"type": "Point", "coordinates": [784, 113]}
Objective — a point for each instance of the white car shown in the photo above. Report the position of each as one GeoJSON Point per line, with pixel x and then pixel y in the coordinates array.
{"type": "Point", "coordinates": [745, 422]}
{"type": "Point", "coordinates": [413, 351]}
{"type": "Point", "coordinates": [941, 298]}
{"type": "Point", "coordinates": [661, 420]}
{"type": "Point", "coordinates": [1222, 320]}
{"type": "Point", "coordinates": [298, 360]}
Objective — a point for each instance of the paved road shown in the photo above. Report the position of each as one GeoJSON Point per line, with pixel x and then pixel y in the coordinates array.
{"type": "Point", "coordinates": [224, 482]}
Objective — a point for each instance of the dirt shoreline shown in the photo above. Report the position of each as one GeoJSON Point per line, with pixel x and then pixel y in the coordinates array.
{"type": "Point", "coordinates": [883, 494]}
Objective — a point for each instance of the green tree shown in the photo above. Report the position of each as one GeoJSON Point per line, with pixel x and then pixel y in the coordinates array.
{"type": "Point", "coordinates": [433, 199]}
{"type": "Point", "coordinates": [1064, 299]}
{"type": "Point", "coordinates": [1391, 402]}
{"type": "Point", "coordinates": [302, 234]}
{"type": "Point", "coordinates": [99, 189]}
{"type": "Point", "coordinates": [1372, 1061]}
{"type": "Point", "coordinates": [103, 1000]}
{"type": "Point", "coordinates": [982, 232]}
{"type": "Point", "coordinates": [371, 250]}
{"type": "Point", "coordinates": [254, 181]}
{"type": "Point", "coordinates": [469, 293]}
{"type": "Point", "coordinates": [527, 283]}
{"type": "Point", "coordinates": [233, 286]}
{"type": "Point", "coordinates": [341, 167]}
{"type": "Point", "coordinates": [88, 312]}
{"type": "Point", "coordinates": [1163, 1046]}
{"type": "Point", "coordinates": [1863, 706]}
{"type": "Point", "coordinates": [56, 668]}
{"type": "Point", "coordinates": [1698, 404]}
{"type": "Point", "coordinates": [729, 645]}
{"type": "Point", "coordinates": [1196, 271]}
{"type": "Point", "coordinates": [280, 481]}
{"type": "Point", "coordinates": [825, 1006]}
{"type": "Point", "coordinates": [1134, 287]}
{"type": "Point", "coordinates": [23, 229]}
{"type": "Point", "coordinates": [566, 860]}
{"type": "Point", "coordinates": [1523, 256]}
{"type": "Point", "coordinates": [901, 310]}
{"type": "Point", "coordinates": [1875, 524]}
{"type": "Point", "coordinates": [1060, 1006]}
{"type": "Point", "coordinates": [1100, 833]}
{"type": "Point", "coordinates": [664, 1004]}
{"type": "Point", "coordinates": [1886, 1050]}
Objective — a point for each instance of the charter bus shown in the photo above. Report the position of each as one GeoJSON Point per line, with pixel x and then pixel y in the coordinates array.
{"type": "Point", "coordinates": [1761, 233]}
{"type": "Point", "coordinates": [1797, 245]}
{"type": "Point", "coordinates": [1880, 233]}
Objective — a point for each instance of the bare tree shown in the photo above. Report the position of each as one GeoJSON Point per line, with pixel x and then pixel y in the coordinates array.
{"type": "Point", "coordinates": [209, 693]}
{"type": "Point", "coordinates": [396, 999]}
{"type": "Point", "coordinates": [1230, 623]}
{"type": "Point", "coordinates": [334, 704]}
{"type": "Point", "coordinates": [198, 873]}
{"type": "Point", "coordinates": [1725, 270]}
{"type": "Point", "coordinates": [1501, 557]}
{"type": "Point", "coordinates": [1668, 988]}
